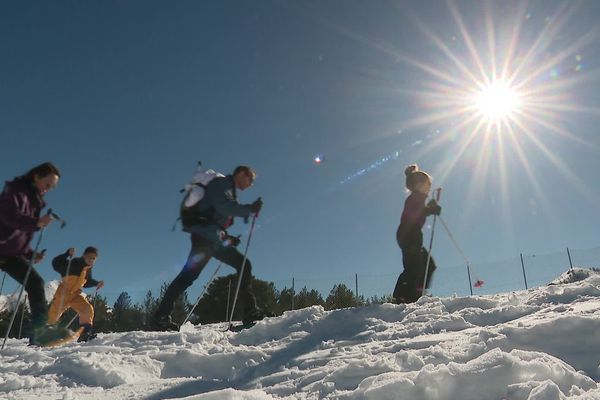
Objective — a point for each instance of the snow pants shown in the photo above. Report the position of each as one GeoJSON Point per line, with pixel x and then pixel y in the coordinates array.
{"type": "Point", "coordinates": [409, 286]}
{"type": "Point", "coordinates": [201, 253]}
{"type": "Point", "coordinates": [69, 295]}
{"type": "Point", "coordinates": [17, 268]}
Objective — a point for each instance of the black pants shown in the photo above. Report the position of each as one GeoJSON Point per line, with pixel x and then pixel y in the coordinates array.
{"type": "Point", "coordinates": [202, 251]}
{"type": "Point", "coordinates": [409, 286]}
{"type": "Point", "coordinates": [17, 267]}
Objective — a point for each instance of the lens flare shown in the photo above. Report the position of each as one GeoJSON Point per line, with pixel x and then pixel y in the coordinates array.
{"type": "Point", "coordinates": [501, 87]}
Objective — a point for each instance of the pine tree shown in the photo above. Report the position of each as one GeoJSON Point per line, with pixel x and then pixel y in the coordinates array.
{"type": "Point", "coordinates": [213, 305]}
{"type": "Point", "coordinates": [284, 300]}
{"type": "Point", "coordinates": [123, 302]}
{"type": "Point", "coordinates": [387, 298]}
{"type": "Point", "coordinates": [266, 295]}
{"type": "Point", "coordinates": [149, 306]}
{"type": "Point", "coordinates": [181, 306]}
{"type": "Point", "coordinates": [126, 317]}
{"type": "Point", "coordinates": [340, 297]}
{"type": "Point", "coordinates": [102, 314]}
{"type": "Point", "coordinates": [306, 298]}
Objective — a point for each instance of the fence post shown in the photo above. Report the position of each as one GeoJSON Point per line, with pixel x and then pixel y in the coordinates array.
{"type": "Point", "coordinates": [293, 292]}
{"type": "Point", "coordinates": [570, 262]}
{"type": "Point", "coordinates": [356, 283]}
{"type": "Point", "coordinates": [524, 276]}
{"type": "Point", "coordinates": [469, 275]}
{"type": "Point", "coordinates": [228, 297]}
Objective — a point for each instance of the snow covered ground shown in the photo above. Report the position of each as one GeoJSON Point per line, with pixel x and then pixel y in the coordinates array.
{"type": "Point", "coordinates": [539, 344]}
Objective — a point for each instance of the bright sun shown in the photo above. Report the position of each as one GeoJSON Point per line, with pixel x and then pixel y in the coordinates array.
{"type": "Point", "coordinates": [497, 101]}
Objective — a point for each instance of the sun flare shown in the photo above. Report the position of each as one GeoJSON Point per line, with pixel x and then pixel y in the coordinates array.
{"type": "Point", "coordinates": [497, 101]}
{"type": "Point", "coordinates": [497, 90]}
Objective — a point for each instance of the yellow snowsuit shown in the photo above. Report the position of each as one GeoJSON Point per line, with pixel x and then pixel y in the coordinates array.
{"type": "Point", "coordinates": [69, 295]}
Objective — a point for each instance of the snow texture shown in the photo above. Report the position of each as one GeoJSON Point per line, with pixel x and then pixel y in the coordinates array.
{"type": "Point", "coordinates": [539, 344]}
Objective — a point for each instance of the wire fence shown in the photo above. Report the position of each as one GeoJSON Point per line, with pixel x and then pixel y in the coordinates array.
{"type": "Point", "coordinates": [517, 273]}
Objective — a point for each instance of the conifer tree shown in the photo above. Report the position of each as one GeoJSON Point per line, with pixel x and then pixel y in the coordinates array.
{"type": "Point", "coordinates": [308, 298]}
{"type": "Point", "coordinates": [340, 297]}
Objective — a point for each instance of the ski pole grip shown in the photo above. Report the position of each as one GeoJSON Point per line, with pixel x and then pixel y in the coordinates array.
{"type": "Point", "coordinates": [256, 215]}
{"type": "Point", "coordinates": [438, 193]}
{"type": "Point", "coordinates": [54, 215]}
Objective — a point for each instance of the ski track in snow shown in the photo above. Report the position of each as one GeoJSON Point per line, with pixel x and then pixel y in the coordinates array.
{"type": "Point", "coordinates": [538, 344]}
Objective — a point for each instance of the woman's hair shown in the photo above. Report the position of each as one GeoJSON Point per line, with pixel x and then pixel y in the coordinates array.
{"type": "Point", "coordinates": [42, 171]}
{"type": "Point", "coordinates": [415, 176]}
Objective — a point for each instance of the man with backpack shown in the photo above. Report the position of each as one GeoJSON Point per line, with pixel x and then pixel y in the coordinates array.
{"type": "Point", "coordinates": [207, 221]}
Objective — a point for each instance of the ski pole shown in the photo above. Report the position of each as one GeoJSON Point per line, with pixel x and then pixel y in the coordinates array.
{"type": "Point", "coordinates": [437, 198]}
{"type": "Point", "coordinates": [202, 294]}
{"type": "Point", "coordinates": [22, 317]}
{"type": "Point", "coordinates": [454, 241]}
{"type": "Point", "coordinates": [237, 289]}
{"type": "Point", "coordinates": [478, 282]}
{"type": "Point", "coordinates": [29, 267]}
{"type": "Point", "coordinates": [2, 285]}
{"type": "Point", "coordinates": [71, 321]}
{"type": "Point", "coordinates": [55, 216]}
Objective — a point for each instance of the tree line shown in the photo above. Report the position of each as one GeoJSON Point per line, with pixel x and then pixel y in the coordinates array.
{"type": "Point", "coordinates": [125, 315]}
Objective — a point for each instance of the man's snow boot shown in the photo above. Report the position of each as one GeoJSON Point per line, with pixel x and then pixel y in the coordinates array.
{"type": "Point", "coordinates": [87, 333]}
{"type": "Point", "coordinates": [163, 323]}
{"type": "Point", "coordinates": [255, 314]}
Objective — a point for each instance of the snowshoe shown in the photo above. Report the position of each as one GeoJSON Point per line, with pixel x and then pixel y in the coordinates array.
{"type": "Point", "coordinates": [241, 327]}
{"type": "Point", "coordinates": [84, 337]}
{"type": "Point", "coordinates": [255, 314]}
{"type": "Point", "coordinates": [164, 323]}
{"type": "Point", "coordinates": [87, 333]}
{"type": "Point", "coordinates": [52, 335]}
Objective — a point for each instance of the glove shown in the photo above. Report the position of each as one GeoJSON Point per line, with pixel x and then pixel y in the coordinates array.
{"type": "Point", "coordinates": [256, 206]}
{"type": "Point", "coordinates": [232, 241]}
{"type": "Point", "coordinates": [39, 256]}
{"type": "Point", "coordinates": [433, 207]}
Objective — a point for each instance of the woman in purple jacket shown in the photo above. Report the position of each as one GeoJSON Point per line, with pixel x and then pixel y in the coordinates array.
{"type": "Point", "coordinates": [21, 203]}
{"type": "Point", "coordinates": [410, 237]}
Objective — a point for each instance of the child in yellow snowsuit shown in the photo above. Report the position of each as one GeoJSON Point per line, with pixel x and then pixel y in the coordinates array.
{"type": "Point", "coordinates": [76, 274]}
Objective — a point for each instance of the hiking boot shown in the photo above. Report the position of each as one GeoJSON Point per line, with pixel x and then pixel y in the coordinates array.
{"type": "Point", "coordinates": [45, 334]}
{"type": "Point", "coordinates": [163, 323]}
{"type": "Point", "coordinates": [85, 336]}
{"type": "Point", "coordinates": [87, 333]}
{"type": "Point", "coordinates": [255, 314]}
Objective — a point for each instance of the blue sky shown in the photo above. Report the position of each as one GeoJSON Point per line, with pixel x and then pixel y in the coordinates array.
{"type": "Point", "coordinates": [126, 97]}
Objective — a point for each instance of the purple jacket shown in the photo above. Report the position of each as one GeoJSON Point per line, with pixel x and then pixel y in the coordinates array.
{"type": "Point", "coordinates": [20, 208]}
{"type": "Point", "coordinates": [413, 218]}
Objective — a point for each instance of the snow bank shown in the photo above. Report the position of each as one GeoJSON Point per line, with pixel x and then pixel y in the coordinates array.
{"type": "Point", "coordinates": [537, 344]}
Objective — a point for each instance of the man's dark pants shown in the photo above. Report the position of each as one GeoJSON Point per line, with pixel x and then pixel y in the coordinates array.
{"type": "Point", "coordinates": [202, 251]}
